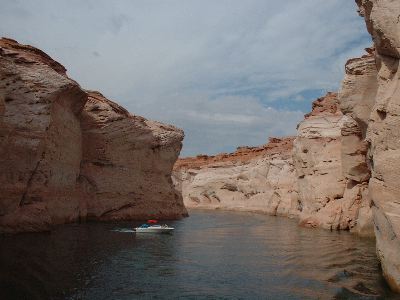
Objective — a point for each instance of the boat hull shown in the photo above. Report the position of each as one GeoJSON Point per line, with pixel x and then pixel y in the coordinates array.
{"type": "Point", "coordinates": [154, 230]}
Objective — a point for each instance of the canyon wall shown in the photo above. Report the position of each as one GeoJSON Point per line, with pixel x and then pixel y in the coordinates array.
{"type": "Point", "coordinates": [344, 167]}
{"type": "Point", "coordinates": [251, 179]}
{"type": "Point", "coordinates": [331, 196]}
{"type": "Point", "coordinates": [127, 163]}
{"type": "Point", "coordinates": [383, 132]}
{"type": "Point", "coordinates": [301, 177]}
{"type": "Point", "coordinates": [67, 154]}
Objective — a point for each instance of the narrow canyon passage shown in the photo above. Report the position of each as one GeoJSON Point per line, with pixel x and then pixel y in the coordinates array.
{"type": "Point", "coordinates": [212, 254]}
{"type": "Point", "coordinates": [71, 155]}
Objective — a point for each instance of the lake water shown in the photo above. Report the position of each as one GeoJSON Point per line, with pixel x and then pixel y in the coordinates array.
{"type": "Point", "coordinates": [211, 255]}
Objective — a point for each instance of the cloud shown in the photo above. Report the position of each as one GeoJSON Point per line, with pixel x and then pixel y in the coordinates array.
{"type": "Point", "coordinates": [210, 67]}
{"type": "Point", "coordinates": [222, 124]}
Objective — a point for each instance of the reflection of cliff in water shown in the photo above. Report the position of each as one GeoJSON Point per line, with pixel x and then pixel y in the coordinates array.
{"type": "Point", "coordinates": [211, 254]}
{"type": "Point", "coordinates": [67, 262]}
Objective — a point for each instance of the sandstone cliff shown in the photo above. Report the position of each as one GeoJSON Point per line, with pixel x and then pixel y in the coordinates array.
{"type": "Point", "coordinates": [258, 179]}
{"type": "Point", "coordinates": [68, 154]}
{"type": "Point", "coordinates": [64, 157]}
{"type": "Point", "coordinates": [302, 177]}
{"type": "Point", "coordinates": [383, 134]}
{"type": "Point", "coordinates": [346, 161]}
{"type": "Point", "coordinates": [370, 150]}
{"type": "Point", "coordinates": [127, 163]}
{"type": "Point", "coordinates": [331, 169]}
{"type": "Point", "coordinates": [356, 98]}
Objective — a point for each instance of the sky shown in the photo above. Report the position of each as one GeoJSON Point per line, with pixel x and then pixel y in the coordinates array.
{"type": "Point", "coordinates": [228, 72]}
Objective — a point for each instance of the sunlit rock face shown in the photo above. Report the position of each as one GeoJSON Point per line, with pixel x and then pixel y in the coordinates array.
{"type": "Point", "coordinates": [329, 197]}
{"type": "Point", "coordinates": [383, 133]}
{"type": "Point", "coordinates": [64, 158]}
{"type": "Point", "coordinates": [260, 179]}
{"type": "Point", "coordinates": [356, 98]}
{"type": "Point", "coordinates": [346, 155]}
{"type": "Point", "coordinates": [358, 90]}
{"type": "Point", "coordinates": [382, 20]}
{"type": "Point", "coordinates": [321, 176]}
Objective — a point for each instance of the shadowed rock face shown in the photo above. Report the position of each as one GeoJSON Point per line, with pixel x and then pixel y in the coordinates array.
{"type": "Point", "coordinates": [258, 179]}
{"type": "Point", "coordinates": [46, 163]}
{"type": "Point", "coordinates": [38, 168]}
{"type": "Point", "coordinates": [383, 133]}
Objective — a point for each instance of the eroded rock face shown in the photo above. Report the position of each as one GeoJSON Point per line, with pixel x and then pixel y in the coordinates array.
{"type": "Point", "coordinates": [127, 164]}
{"type": "Point", "coordinates": [38, 168]}
{"type": "Point", "coordinates": [347, 160]}
{"type": "Point", "coordinates": [382, 20]}
{"type": "Point", "coordinates": [64, 158]}
{"type": "Point", "coordinates": [383, 134]}
{"type": "Point", "coordinates": [358, 90]}
{"type": "Point", "coordinates": [356, 98]}
{"type": "Point", "coordinates": [329, 197]}
{"type": "Point", "coordinates": [322, 179]}
{"type": "Point", "coordinates": [260, 179]}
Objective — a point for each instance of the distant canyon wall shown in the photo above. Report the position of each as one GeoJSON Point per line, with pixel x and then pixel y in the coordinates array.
{"type": "Point", "coordinates": [67, 154]}
{"type": "Point", "coordinates": [302, 176]}
{"type": "Point", "coordinates": [250, 179]}
{"type": "Point", "coordinates": [343, 171]}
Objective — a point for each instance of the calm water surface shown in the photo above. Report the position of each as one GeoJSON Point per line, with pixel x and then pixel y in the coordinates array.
{"type": "Point", "coordinates": [211, 255]}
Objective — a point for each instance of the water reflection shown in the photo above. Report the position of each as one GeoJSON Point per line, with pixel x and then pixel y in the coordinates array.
{"type": "Point", "coordinates": [211, 255]}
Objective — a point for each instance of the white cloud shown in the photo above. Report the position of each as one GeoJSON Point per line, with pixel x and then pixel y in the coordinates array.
{"type": "Point", "coordinates": [222, 124]}
{"type": "Point", "coordinates": [210, 67]}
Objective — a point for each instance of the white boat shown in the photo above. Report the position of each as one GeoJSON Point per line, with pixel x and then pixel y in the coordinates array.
{"type": "Point", "coordinates": [154, 229]}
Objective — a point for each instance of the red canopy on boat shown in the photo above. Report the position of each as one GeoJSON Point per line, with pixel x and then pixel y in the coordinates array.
{"type": "Point", "coordinates": [152, 221]}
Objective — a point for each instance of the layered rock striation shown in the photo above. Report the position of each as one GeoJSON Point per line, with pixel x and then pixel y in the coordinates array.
{"type": "Point", "coordinates": [67, 154]}
{"type": "Point", "coordinates": [258, 179]}
{"type": "Point", "coordinates": [331, 168]}
{"type": "Point", "coordinates": [383, 133]}
{"type": "Point", "coordinates": [127, 163]}
{"type": "Point", "coordinates": [300, 176]}
{"type": "Point", "coordinates": [41, 140]}
{"type": "Point", "coordinates": [346, 156]}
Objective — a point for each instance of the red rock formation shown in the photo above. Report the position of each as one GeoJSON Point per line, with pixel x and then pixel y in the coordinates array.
{"type": "Point", "coordinates": [302, 177]}
{"type": "Point", "coordinates": [26, 54]}
{"type": "Point", "coordinates": [260, 179]}
{"type": "Point", "coordinates": [42, 143]}
{"type": "Point", "coordinates": [347, 160]}
{"type": "Point", "coordinates": [127, 163]}
{"type": "Point", "coordinates": [282, 146]}
{"type": "Point", "coordinates": [327, 105]}
{"type": "Point", "coordinates": [38, 168]}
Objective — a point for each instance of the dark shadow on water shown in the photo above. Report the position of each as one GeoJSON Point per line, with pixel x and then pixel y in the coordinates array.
{"type": "Point", "coordinates": [211, 255]}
